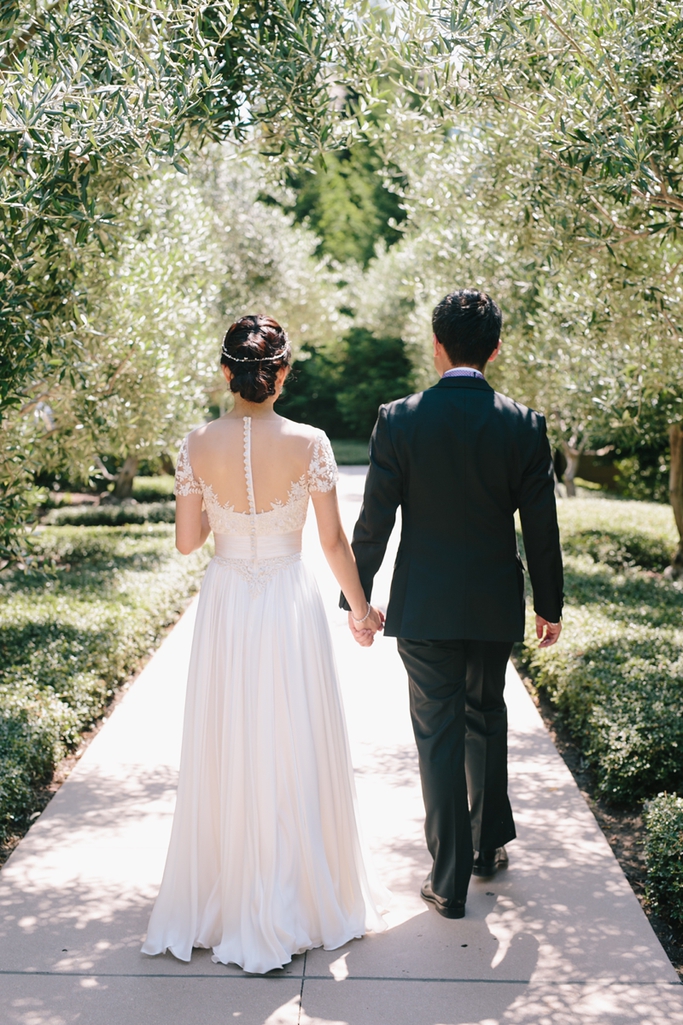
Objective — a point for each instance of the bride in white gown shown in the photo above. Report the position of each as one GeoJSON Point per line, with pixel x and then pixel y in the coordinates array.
{"type": "Point", "coordinates": [265, 859]}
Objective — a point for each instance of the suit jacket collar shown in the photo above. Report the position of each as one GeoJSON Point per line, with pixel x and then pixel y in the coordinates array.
{"type": "Point", "coordinates": [464, 382]}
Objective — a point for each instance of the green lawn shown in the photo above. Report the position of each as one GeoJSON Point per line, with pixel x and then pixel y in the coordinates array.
{"type": "Point", "coordinates": [616, 675]}
{"type": "Point", "coordinates": [71, 635]}
{"type": "Point", "coordinates": [350, 453]}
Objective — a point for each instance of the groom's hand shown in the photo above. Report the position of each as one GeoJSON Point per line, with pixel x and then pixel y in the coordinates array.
{"type": "Point", "coordinates": [547, 633]}
{"type": "Point", "coordinates": [365, 634]}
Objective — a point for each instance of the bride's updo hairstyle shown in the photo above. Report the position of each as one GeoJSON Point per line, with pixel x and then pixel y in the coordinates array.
{"type": "Point", "coordinates": [254, 349]}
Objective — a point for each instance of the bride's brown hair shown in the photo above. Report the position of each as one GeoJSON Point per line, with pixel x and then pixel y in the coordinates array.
{"type": "Point", "coordinates": [254, 349]}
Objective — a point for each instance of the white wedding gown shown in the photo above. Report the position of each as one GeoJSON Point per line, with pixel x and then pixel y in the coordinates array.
{"type": "Point", "coordinates": [265, 859]}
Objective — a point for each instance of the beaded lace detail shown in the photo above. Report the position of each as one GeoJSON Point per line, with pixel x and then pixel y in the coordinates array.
{"type": "Point", "coordinates": [258, 572]}
{"type": "Point", "coordinates": [281, 518]}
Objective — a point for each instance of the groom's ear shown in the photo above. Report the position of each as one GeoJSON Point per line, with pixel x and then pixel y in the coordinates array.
{"type": "Point", "coordinates": [495, 351]}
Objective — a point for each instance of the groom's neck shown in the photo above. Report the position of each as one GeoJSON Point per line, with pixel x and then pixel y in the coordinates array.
{"type": "Point", "coordinates": [466, 366]}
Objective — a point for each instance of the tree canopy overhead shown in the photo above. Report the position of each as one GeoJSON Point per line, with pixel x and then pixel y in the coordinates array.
{"type": "Point", "coordinates": [92, 93]}
{"type": "Point", "coordinates": [588, 94]}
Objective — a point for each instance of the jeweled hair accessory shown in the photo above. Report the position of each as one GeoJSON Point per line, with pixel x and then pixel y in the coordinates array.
{"type": "Point", "coordinates": [254, 359]}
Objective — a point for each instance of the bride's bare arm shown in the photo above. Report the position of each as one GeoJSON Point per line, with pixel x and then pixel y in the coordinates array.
{"type": "Point", "coordinates": [191, 523]}
{"type": "Point", "coordinates": [340, 557]}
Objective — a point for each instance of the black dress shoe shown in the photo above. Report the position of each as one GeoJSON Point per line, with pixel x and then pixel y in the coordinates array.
{"type": "Point", "coordinates": [487, 863]}
{"type": "Point", "coordinates": [447, 908]}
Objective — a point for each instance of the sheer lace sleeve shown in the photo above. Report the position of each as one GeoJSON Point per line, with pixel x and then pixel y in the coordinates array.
{"type": "Point", "coordinates": [322, 470]}
{"type": "Point", "coordinates": [185, 481]}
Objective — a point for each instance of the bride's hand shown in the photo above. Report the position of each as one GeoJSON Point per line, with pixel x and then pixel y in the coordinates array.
{"type": "Point", "coordinates": [365, 633]}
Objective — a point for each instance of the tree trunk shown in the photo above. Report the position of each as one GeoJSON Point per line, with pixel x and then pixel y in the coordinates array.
{"type": "Point", "coordinates": [676, 494]}
{"type": "Point", "coordinates": [558, 489]}
{"type": "Point", "coordinates": [572, 456]}
{"type": "Point", "coordinates": [125, 477]}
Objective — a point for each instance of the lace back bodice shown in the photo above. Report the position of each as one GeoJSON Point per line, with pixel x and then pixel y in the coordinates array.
{"type": "Point", "coordinates": [257, 544]}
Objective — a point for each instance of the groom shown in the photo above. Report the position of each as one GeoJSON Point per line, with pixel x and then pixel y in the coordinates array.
{"type": "Point", "coordinates": [459, 459]}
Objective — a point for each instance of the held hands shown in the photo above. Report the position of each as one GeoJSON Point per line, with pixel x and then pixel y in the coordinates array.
{"type": "Point", "coordinates": [364, 631]}
{"type": "Point", "coordinates": [547, 633]}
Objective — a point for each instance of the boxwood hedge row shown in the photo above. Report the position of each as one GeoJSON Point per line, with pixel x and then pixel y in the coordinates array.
{"type": "Point", "coordinates": [617, 674]}
{"type": "Point", "coordinates": [664, 855]}
{"type": "Point", "coordinates": [118, 515]}
{"type": "Point", "coordinates": [70, 636]}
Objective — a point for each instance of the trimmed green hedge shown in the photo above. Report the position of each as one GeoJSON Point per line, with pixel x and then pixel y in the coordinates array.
{"type": "Point", "coordinates": [664, 855]}
{"type": "Point", "coordinates": [616, 675]}
{"type": "Point", "coordinates": [70, 637]}
{"type": "Point", "coordinates": [111, 515]}
{"type": "Point", "coordinates": [620, 549]}
{"type": "Point", "coordinates": [350, 453]}
{"type": "Point", "coordinates": [154, 489]}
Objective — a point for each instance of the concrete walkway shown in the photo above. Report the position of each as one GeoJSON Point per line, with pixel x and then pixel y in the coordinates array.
{"type": "Point", "coordinates": [556, 939]}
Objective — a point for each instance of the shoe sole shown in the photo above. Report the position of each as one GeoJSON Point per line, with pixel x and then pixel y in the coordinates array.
{"type": "Point", "coordinates": [489, 875]}
{"type": "Point", "coordinates": [444, 912]}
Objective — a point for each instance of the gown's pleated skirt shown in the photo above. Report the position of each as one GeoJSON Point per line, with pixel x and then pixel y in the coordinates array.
{"type": "Point", "coordinates": [265, 858]}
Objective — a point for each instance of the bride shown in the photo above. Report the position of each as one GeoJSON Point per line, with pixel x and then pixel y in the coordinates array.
{"type": "Point", "coordinates": [264, 859]}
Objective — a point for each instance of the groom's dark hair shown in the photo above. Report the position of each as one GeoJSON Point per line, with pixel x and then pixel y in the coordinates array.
{"type": "Point", "coordinates": [468, 323]}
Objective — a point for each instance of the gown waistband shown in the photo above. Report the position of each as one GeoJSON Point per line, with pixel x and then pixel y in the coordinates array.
{"type": "Point", "coordinates": [267, 546]}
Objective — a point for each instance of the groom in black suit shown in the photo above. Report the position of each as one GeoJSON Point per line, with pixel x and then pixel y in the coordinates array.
{"type": "Point", "coordinates": [459, 459]}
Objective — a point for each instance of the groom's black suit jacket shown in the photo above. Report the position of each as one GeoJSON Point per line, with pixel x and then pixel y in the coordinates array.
{"type": "Point", "coordinates": [459, 459]}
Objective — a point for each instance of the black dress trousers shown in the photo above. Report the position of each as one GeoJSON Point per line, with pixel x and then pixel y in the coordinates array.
{"type": "Point", "coordinates": [460, 725]}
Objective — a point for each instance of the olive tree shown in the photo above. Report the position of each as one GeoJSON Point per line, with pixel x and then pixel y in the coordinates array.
{"type": "Point", "coordinates": [568, 117]}
{"type": "Point", "coordinates": [199, 250]}
{"type": "Point", "coordinates": [92, 96]}
{"type": "Point", "coordinates": [581, 326]}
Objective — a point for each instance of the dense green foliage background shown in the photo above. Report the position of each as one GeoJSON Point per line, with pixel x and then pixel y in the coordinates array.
{"type": "Point", "coordinates": [349, 201]}
{"type": "Point", "coordinates": [340, 388]}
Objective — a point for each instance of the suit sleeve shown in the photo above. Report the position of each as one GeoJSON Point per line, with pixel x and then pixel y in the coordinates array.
{"type": "Point", "coordinates": [538, 514]}
{"type": "Point", "coordinates": [382, 496]}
